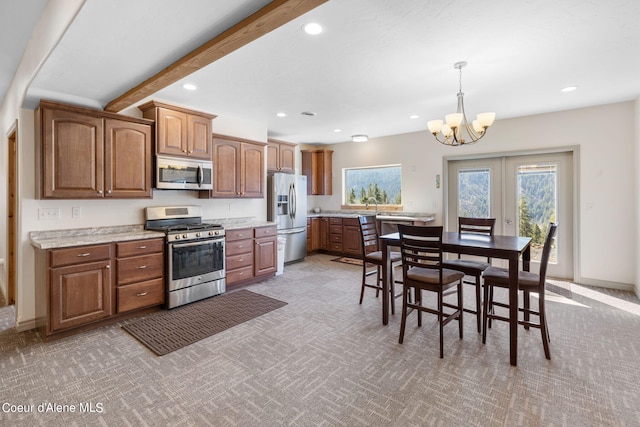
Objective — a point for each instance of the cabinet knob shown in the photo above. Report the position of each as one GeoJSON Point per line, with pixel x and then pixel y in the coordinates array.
{"type": "Point", "coordinates": [109, 192]}
{"type": "Point", "coordinates": [190, 151]}
{"type": "Point", "coordinates": [99, 191]}
{"type": "Point", "coordinates": [108, 266]}
{"type": "Point", "coordinates": [184, 151]}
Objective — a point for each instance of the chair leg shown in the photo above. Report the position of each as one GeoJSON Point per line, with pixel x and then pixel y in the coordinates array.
{"type": "Point", "coordinates": [418, 295]}
{"type": "Point", "coordinates": [461, 308]}
{"type": "Point", "coordinates": [490, 303]}
{"type": "Point", "coordinates": [485, 310]}
{"type": "Point", "coordinates": [440, 325]}
{"type": "Point", "coordinates": [392, 290]}
{"type": "Point", "coordinates": [377, 280]}
{"type": "Point", "coordinates": [478, 303]}
{"type": "Point", "coordinates": [364, 278]}
{"type": "Point", "coordinates": [527, 306]}
{"type": "Point", "coordinates": [543, 328]}
{"type": "Point", "coordinates": [405, 295]}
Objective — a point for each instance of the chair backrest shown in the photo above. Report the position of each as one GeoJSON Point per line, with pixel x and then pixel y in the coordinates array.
{"type": "Point", "coordinates": [476, 225]}
{"type": "Point", "coordinates": [421, 247]}
{"type": "Point", "coordinates": [546, 252]}
{"type": "Point", "coordinates": [368, 233]}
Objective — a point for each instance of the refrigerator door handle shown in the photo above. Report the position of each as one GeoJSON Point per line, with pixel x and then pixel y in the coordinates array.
{"type": "Point", "coordinates": [294, 200]}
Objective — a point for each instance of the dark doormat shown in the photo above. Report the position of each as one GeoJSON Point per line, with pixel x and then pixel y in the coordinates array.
{"type": "Point", "coordinates": [171, 330]}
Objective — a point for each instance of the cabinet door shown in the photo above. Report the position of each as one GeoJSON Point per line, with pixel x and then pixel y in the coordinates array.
{"type": "Point", "coordinates": [225, 168]}
{"type": "Point", "coordinates": [265, 254]}
{"type": "Point", "coordinates": [287, 158]}
{"type": "Point", "coordinates": [324, 234]}
{"type": "Point", "coordinates": [251, 170]}
{"type": "Point", "coordinates": [171, 132]}
{"type": "Point", "coordinates": [273, 154]}
{"type": "Point", "coordinates": [127, 159]}
{"type": "Point", "coordinates": [199, 135]}
{"type": "Point", "coordinates": [73, 150]}
{"type": "Point", "coordinates": [80, 294]}
{"type": "Point", "coordinates": [351, 241]}
{"type": "Point", "coordinates": [315, 233]}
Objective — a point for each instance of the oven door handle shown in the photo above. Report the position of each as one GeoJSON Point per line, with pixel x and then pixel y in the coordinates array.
{"type": "Point", "coordinates": [200, 242]}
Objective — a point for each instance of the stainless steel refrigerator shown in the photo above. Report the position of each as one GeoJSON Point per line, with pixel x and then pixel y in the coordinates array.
{"type": "Point", "coordinates": [287, 207]}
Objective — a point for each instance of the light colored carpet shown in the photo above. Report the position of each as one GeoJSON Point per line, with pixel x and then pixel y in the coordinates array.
{"type": "Point", "coordinates": [324, 360]}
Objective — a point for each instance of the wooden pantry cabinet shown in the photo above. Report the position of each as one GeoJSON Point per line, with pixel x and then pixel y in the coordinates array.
{"type": "Point", "coordinates": [91, 154]}
{"type": "Point", "coordinates": [281, 156]}
{"type": "Point", "coordinates": [179, 131]}
{"type": "Point", "coordinates": [84, 285]}
{"type": "Point", "coordinates": [238, 168]}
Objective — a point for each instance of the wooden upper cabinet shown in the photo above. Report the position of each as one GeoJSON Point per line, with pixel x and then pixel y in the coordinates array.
{"type": "Point", "coordinates": [128, 153]}
{"type": "Point", "coordinates": [317, 166]}
{"type": "Point", "coordinates": [180, 131]}
{"type": "Point", "coordinates": [86, 154]}
{"type": "Point", "coordinates": [281, 156]}
{"type": "Point", "coordinates": [238, 168]}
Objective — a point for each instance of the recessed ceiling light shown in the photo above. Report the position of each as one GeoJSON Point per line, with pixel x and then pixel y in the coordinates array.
{"type": "Point", "coordinates": [337, 130]}
{"type": "Point", "coordinates": [569, 89]}
{"type": "Point", "coordinates": [359, 138]}
{"type": "Point", "coordinates": [189, 86]}
{"type": "Point", "coordinates": [312, 28]}
{"type": "Point", "coordinates": [414, 116]}
{"type": "Point", "coordinates": [281, 114]}
{"type": "Point", "coordinates": [308, 113]}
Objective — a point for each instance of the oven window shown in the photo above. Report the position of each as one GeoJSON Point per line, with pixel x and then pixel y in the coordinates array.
{"type": "Point", "coordinates": [195, 259]}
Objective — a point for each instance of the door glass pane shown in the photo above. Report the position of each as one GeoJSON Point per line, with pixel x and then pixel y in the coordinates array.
{"type": "Point", "coordinates": [474, 193]}
{"type": "Point", "coordinates": [537, 205]}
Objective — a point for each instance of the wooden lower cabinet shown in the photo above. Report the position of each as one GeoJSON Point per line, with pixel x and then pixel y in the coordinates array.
{"type": "Point", "coordinates": [86, 284]}
{"type": "Point", "coordinates": [251, 254]}
{"type": "Point", "coordinates": [80, 294]}
{"type": "Point", "coordinates": [334, 235]}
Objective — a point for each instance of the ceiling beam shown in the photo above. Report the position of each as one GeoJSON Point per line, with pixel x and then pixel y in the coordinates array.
{"type": "Point", "coordinates": [267, 19]}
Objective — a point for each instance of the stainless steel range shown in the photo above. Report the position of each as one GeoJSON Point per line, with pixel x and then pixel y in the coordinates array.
{"type": "Point", "coordinates": [195, 261]}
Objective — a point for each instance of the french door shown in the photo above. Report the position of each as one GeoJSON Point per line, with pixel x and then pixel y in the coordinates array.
{"type": "Point", "coordinates": [524, 193]}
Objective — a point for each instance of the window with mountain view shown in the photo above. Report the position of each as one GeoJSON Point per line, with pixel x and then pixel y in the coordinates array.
{"type": "Point", "coordinates": [474, 193]}
{"type": "Point", "coordinates": [379, 184]}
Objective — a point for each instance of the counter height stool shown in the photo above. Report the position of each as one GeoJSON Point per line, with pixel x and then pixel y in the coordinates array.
{"type": "Point", "coordinates": [469, 267]}
{"type": "Point", "coordinates": [371, 254]}
{"type": "Point", "coordinates": [527, 283]}
{"type": "Point", "coordinates": [422, 269]}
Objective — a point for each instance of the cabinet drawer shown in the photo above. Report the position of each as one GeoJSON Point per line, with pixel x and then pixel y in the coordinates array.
{"type": "Point", "coordinates": [335, 229]}
{"type": "Point", "coordinates": [79, 255]}
{"type": "Point", "coordinates": [265, 231]}
{"type": "Point", "coordinates": [335, 247]}
{"type": "Point", "coordinates": [139, 247]}
{"type": "Point", "coordinates": [351, 221]}
{"type": "Point", "coordinates": [238, 247]}
{"type": "Point", "coordinates": [238, 261]}
{"type": "Point", "coordinates": [140, 295]}
{"type": "Point", "coordinates": [335, 221]}
{"type": "Point", "coordinates": [239, 274]}
{"type": "Point", "coordinates": [238, 234]}
{"type": "Point", "coordinates": [139, 268]}
{"type": "Point", "coordinates": [335, 238]}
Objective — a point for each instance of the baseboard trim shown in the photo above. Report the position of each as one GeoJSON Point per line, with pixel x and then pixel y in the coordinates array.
{"type": "Point", "coordinates": [26, 326]}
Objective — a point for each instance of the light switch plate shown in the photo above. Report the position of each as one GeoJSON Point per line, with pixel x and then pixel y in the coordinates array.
{"type": "Point", "coordinates": [76, 212]}
{"type": "Point", "coordinates": [48, 213]}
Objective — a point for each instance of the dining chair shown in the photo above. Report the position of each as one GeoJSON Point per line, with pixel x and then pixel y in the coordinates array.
{"type": "Point", "coordinates": [470, 267]}
{"type": "Point", "coordinates": [422, 269]}
{"type": "Point", "coordinates": [372, 256]}
{"type": "Point", "coordinates": [527, 283]}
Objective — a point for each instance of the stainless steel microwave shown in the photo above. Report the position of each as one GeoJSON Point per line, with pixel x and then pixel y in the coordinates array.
{"type": "Point", "coordinates": [176, 173]}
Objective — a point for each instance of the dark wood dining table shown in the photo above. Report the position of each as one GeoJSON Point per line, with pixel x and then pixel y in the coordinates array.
{"type": "Point", "coordinates": [510, 248]}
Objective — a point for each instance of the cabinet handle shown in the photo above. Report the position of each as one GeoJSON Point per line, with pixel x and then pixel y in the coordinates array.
{"type": "Point", "coordinates": [142, 247]}
{"type": "Point", "coordinates": [99, 191]}
{"type": "Point", "coordinates": [142, 266]}
{"type": "Point", "coordinates": [141, 294]}
{"type": "Point", "coordinates": [108, 266]}
{"type": "Point", "coordinates": [190, 151]}
{"type": "Point", "coordinates": [85, 254]}
{"type": "Point", "coordinates": [109, 192]}
{"type": "Point", "coordinates": [184, 151]}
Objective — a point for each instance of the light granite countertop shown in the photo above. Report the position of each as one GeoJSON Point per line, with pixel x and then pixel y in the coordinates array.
{"type": "Point", "coordinates": [54, 239]}
{"type": "Point", "coordinates": [386, 215]}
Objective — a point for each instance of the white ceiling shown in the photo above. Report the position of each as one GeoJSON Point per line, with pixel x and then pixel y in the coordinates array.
{"type": "Point", "coordinates": [376, 63]}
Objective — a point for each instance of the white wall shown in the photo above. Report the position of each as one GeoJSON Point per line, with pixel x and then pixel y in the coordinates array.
{"type": "Point", "coordinates": [637, 194]}
{"type": "Point", "coordinates": [607, 141]}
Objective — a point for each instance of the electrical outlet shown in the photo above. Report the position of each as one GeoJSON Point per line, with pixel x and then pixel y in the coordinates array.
{"type": "Point", "coordinates": [48, 213]}
{"type": "Point", "coordinates": [76, 212]}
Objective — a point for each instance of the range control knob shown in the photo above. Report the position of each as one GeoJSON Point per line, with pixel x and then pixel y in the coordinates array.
{"type": "Point", "coordinates": [184, 236]}
{"type": "Point", "coordinates": [211, 233]}
{"type": "Point", "coordinates": [198, 234]}
{"type": "Point", "coordinates": [176, 237]}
